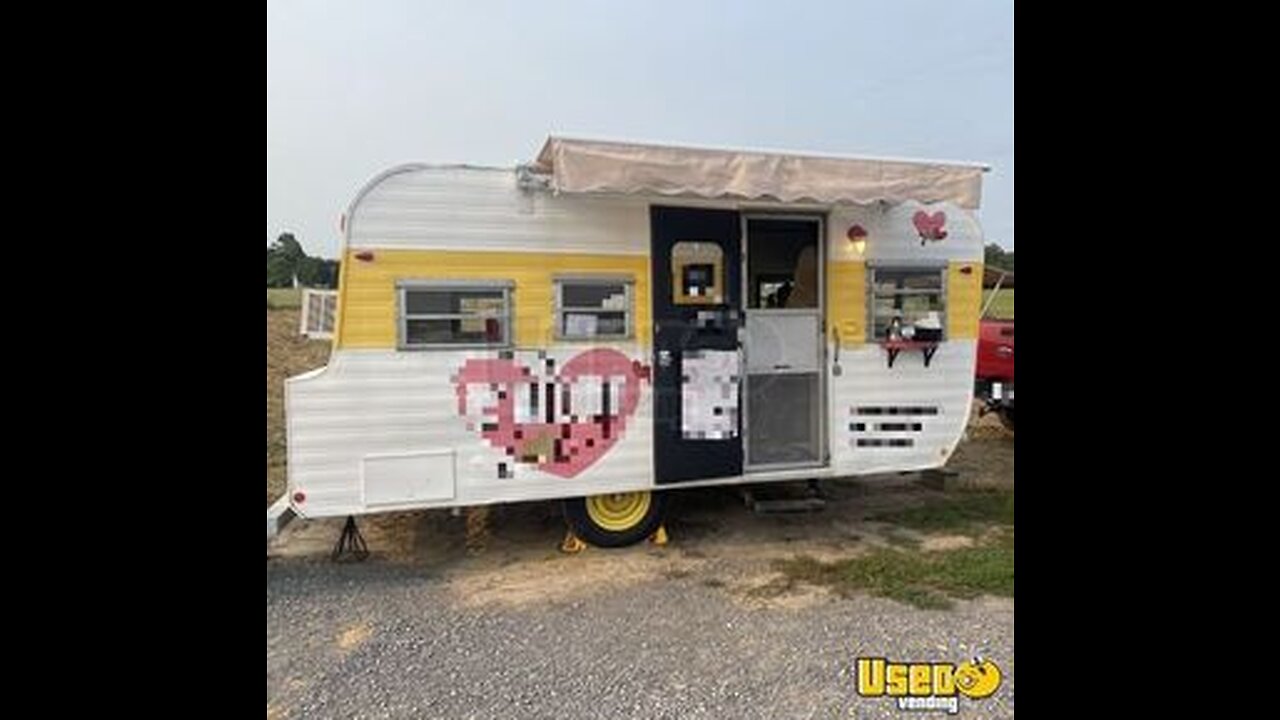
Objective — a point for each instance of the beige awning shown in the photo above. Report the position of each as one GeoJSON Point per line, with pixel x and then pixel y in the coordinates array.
{"type": "Point", "coordinates": [595, 166]}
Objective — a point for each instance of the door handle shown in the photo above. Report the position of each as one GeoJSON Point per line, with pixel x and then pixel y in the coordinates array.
{"type": "Point", "coordinates": [835, 363]}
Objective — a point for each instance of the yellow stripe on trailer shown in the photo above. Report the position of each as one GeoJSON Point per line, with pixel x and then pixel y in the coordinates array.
{"type": "Point", "coordinates": [847, 301]}
{"type": "Point", "coordinates": [368, 294]}
{"type": "Point", "coordinates": [964, 300]}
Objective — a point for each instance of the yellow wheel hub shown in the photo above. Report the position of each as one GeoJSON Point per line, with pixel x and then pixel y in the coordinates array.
{"type": "Point", "coordinates": [618, 511]}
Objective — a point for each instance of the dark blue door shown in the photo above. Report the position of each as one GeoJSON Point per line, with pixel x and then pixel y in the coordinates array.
{"type": "Point", "coordinates": [697, 310]}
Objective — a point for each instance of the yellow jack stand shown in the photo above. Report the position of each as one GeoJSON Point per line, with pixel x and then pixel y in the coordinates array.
{"type": "Point", "coordinates": [659, 536]}
{"type": "Point", "coordinates": [572, 543]}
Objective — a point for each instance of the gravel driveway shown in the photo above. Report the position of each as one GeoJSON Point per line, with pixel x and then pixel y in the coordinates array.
{"type": "Point", "coordinates": [424, 629]}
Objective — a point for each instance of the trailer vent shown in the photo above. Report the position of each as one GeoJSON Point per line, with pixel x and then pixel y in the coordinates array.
{"type": "Point", "coordinates": [319, 307]}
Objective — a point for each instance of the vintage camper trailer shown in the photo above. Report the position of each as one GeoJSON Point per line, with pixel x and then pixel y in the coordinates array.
{"type": "Point", "coordinates": [618, 319]}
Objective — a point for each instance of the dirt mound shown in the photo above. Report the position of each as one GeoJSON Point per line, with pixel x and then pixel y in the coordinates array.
{"type": "Point", "coordinates": [986, 427]}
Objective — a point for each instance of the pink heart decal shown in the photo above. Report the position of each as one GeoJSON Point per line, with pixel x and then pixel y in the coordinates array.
{"type": "Point", "coordinates": [930, 226]}
{"type": "Point", "coordinates": [534, 419]}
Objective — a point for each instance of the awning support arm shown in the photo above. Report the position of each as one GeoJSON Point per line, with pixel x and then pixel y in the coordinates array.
{"type": "Point", "coordinates": [994, 290]}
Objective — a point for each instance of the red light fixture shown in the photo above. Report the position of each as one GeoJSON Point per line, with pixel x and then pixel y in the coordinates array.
{"type": "Point", "coordinates": [858, 236]}
{"type": "Point", "coordinates": [299, 497]}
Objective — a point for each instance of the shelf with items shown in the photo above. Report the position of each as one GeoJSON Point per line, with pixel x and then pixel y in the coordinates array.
{"type": "Point", "coordinates": [926, 347]}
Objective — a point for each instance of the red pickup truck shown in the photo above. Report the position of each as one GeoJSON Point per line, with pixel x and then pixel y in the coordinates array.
{"type": "Point", "coordinates": [994, 377]}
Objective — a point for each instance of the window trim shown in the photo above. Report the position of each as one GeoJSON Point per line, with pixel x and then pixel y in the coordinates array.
{"type": "Point", "coordinates": [628, 283]}
{"type": "Point", "coordinates": [906, 266]}
{"type": "Point", "coordinates": [403, 287]}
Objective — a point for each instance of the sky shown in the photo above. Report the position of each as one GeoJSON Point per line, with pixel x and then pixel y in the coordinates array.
{"type": "Point", "coordinates": [354, 88]}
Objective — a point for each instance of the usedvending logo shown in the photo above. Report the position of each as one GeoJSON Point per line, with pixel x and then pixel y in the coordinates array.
{"type": "Point", "coordinates": [928, 687]}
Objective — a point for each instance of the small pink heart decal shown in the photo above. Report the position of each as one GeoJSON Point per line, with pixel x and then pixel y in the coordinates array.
{"type": "Point", "coordinates": [930, 226]}
{"type": "Point", "coordinates": [536, 419]}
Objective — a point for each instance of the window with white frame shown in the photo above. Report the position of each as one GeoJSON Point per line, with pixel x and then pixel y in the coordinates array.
{"type": "Point", "coordinates": [450, 313]}
{"type": "Point", "coordinates": [594, 307]}
{"type": "Point", "coordinates": [907, 303]}
{"type": "Point", "coordinates": [319, 312]}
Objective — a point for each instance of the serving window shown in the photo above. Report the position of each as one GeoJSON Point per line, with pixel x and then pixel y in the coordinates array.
{"type": "Point", "coordinates": [907, 303]}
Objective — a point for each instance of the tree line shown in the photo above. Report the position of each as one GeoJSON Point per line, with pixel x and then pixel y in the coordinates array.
{"type": "Point", "coordinates": [995, 256]}
{"type": "Point", "coordinates": [288, 265]}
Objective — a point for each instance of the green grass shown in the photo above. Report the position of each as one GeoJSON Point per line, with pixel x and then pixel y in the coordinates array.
{"type": "Point", "coordinates": [896, 537]}
{"type": "Point", "coordinates": [906, 572]}
{"type": "Point", "coordinates": [1002, 307]}
{"type": "Point", "coordinates": [969, 510]}
{"type": "Point", "coordinates": [278, 298]}
{"type": "Point", "coordinates": [923, 579]}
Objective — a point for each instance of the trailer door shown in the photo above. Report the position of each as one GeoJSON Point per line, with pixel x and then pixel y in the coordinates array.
{"type": "Point", "coordinates": [784, 407]}
{"type": "Point", "coordinates": [697, 310]}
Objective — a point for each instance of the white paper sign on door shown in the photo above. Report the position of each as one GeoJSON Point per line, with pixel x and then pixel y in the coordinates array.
{"type": "Point", "coordinates": [709, 384]}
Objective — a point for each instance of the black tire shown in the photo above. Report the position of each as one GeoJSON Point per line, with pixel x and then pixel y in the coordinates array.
{"type": "Point", "coordinates": [1006, 417]}
{"type": "Point", "coordinates": [580, 519]}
